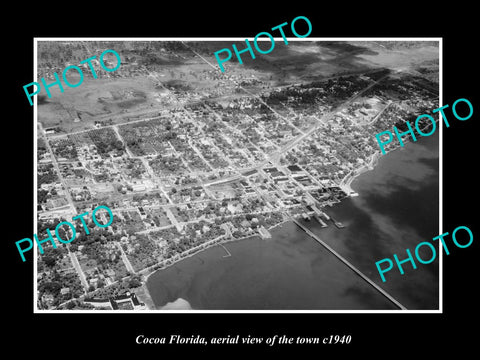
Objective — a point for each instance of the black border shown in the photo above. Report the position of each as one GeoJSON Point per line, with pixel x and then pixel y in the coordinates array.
{"type": "Point", "coordinates": [114, 334]}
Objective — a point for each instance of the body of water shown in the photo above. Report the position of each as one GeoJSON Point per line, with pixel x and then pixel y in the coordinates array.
{"type": "Point", "coordinates": [397, 208]}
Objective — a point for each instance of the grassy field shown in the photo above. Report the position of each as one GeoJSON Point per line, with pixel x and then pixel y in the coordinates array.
{"type": "Point", "coordinates": [145, 93]}
{"type": "Point", "coordinates": [97, 99]}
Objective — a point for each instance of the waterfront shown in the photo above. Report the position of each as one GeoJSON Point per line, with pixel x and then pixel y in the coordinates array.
{"type": "Point", "coordinates": [289, 271]}
{"type": "Point", "coordinates": [397, 208]}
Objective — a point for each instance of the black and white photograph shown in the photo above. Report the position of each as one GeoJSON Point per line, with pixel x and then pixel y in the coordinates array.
{"type": "Point", "coordinates": [218, 179]}
{"type": "Point", "coordinates": [262, 187]}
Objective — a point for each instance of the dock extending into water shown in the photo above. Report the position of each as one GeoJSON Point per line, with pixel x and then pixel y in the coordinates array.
{"type": "Point", "coordinates": [316, 217]}
{"type": "Point", "coordinates": [228, 254]}
{"type": "Point", "coordinates": [346, 262]}
{"type": "Point", "coordinates": [338, 224]}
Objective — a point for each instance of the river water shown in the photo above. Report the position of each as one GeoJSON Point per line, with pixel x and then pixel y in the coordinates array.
{"type": "Point", "coordinates": [397, 208]}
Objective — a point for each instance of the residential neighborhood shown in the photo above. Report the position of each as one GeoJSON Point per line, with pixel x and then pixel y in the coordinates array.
{"type": "Point", "coordinates": [196, 159]}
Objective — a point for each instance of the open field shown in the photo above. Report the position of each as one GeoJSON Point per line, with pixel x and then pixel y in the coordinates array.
{"type": "Point", "coordinates": [186, 155]}
{"type": "Point", "coordinates": [161, 78]}
{"type": "Point", "coordinates": [98, 100]}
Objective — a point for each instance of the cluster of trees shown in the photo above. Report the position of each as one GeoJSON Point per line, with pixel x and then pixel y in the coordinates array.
{"type": "Point", "coordinates": [190, 239]}
{"type": "Point", "coordinates": [134, 281]}
{"type": "Point", "coordinates": [342, 88]}
{"type": "Point", "coordinates": [403, 127]}
{"type": "Point", "coordinates": [135, 145]}
{"type": "Point", "coordinates": [271, 219]}
{"type": "Point", "coordinates": [213, 231]}
{"type": "Point", "coordinates": [163, 221]}
{"type": "Point", "coordinates": [176, 248]}
{"type": "Point", "coordinates": [346, 154]}
{"type": "Point", "coordinates": [140, 197]}
{"type": "Point", "coordinates": [137, 172]}
{"type": "Point", "coordinates": [212, 157]}
{"type": "Point", "coordinates": [144, 254]}
{"type": "Point", "coordinates": [177, 85]}
{"type": "Point", "coordinates": [403, 87]}
{"type": "Point", "coordinates": [326, 169]}
{"type": "Point", "coordinates": [78, 305]}
{"type": "Point", "coordinates": [103, 177]}
{"type": "Point", "coordinates": [117, 289]}
{"type": "Point", "coordinates": [64, 148]}
{"type": "Point", "coordinates": [132, 140]}
{"type": "Point", "coordinates": [106, 141]}
{"type": "Point", "coordinates": [253, 205]}
{"type": "Point", "coordinates": [135, 167]}
{"type": "Point", "coordinates": [106, 147]}
{"type": "Point", "coordinates": [42, 196]}
{"type": "Point", "coordinates": [51, 256]}
{"type": "Point", "coordinates": [97, 252]}
{"type": "Point", "coordinates": [215, 208]}
{"type": "Point", "coordinates": [166, 234]}
{"type": "Point", "coordinates": [166, 163]}
{"type": "Point", "coordinates": [41, 147]}
{"type": "Point", "coordinates": [55, 282]}
{"type": "Point", "coordinates": [43, 225]}
{"type": "Point", "coordinates": [276, 97]}
{"type": "Point", "coordinates": [392, 114]}
{"type": "Point", "coordinates": [96, 236]}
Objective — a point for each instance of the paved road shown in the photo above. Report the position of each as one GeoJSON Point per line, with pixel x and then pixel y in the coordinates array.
{"type": "Point", "coordinates": [79, 270]}
{"type": "Point", "coordinates": [59, 174]}
{"type": "Point", "coordinates": [114, 126]}
{"type": "Point", "coordinates": [127, 263]}
{"type": "Point", "coordinates": [274, 157]}
{"type": "Point", "coordinates": [346, 262]}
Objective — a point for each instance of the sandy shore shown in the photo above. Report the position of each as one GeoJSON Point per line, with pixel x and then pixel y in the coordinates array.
{"type": "Point", "coordinates": [144, 296]}
{"type": "Point", "coordinates": [183, 304]}
{"type": "Point", "coordinates": [179, 304]}
{"type": "Point", "coordinates": [350, 177]}
{"type": "Point", "coordinates": [346, 184]}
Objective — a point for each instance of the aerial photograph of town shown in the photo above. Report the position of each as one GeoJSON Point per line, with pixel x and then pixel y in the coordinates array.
{"type": "Point", "coordinates": [261, 187]}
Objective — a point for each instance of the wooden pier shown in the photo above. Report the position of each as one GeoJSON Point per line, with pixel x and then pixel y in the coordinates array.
{"type": "Point", "coordinates": [228, 252]}
{"type": "Point", "coordinates": [346, 262]}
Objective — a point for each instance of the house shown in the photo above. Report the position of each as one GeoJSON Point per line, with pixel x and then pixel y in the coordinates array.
{"type": "Point", "coordinates": [232, 208]}
{"type": "Point", "coordinates": [245, 223]}
{"type": "Point", "coordinates": [110, 273]}
{"type": "Point", "coordinates": [138, 187]}
{"type": "Point", "coordinates": [64, 290]}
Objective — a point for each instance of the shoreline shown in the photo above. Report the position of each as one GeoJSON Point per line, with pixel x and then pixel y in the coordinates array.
{"type": "Point", "coordinates": [202, 247]}
{"type": "Point", "coordinates": [345, 184]}
{"type": "Point", "coordinates": [373, 160]}
{"type": "Point", "coordinates": [220, 242]}
{"type": "Point", "coordinates": [143, 292]}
